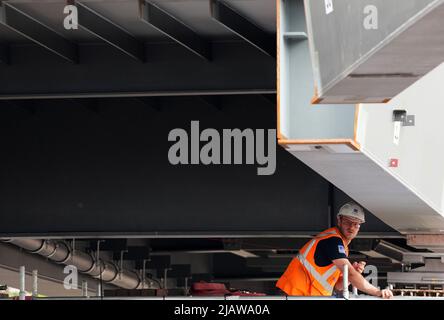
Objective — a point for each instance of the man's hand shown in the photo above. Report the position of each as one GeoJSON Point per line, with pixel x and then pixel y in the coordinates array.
{"type": "Point", "coordinates": [359, 266]}
{"type": "Point", "coordinates": [386, 294]}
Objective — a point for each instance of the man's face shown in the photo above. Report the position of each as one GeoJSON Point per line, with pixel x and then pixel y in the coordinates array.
{"type": "Point", "coordinates": [349, 227]}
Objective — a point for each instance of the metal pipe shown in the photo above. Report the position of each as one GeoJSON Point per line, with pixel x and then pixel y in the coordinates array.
{"type": "Point", "coordinates": [60, 252]}
{"type": "Point", "coordinates": [22, 274]}
{"type": "Point", "coordinates": [34, 283]}
{"type": "Point", "coordinates": [345, 292]}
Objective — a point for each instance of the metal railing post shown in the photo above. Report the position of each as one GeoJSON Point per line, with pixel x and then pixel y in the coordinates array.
{"type": "Point", "coordinates": [345, 292]}
{"type": "Point", "coordinates": [22, 274]}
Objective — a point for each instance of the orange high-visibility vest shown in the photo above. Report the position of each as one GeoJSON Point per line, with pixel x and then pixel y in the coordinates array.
{"type": "Point", "coordinates": [304, 278]}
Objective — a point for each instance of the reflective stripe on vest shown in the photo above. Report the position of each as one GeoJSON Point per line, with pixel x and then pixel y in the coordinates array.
{"type": "Point", "coordinates": [326, 234]}
{"type": "Point", "coordinates": [307, 278]}
{"type": "Point", "coordinates": [322, 279]}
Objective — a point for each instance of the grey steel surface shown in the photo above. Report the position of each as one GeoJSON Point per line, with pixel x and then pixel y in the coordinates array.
{"type": "Point", "coordinates": [299, 119]}
{"type": "Point", "coordinates": [354, 64]}
{"type": "Point", "coordinates": [381, 191]}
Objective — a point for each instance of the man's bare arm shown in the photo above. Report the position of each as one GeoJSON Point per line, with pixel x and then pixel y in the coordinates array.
{"type": "Point", "coordinates": [359, 266]}
{"type": "Point", "coordinates": [359, 281]}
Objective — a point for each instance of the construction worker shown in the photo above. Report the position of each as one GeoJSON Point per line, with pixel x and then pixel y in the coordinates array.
{"type": "Point", "coordinates": [317, 269]}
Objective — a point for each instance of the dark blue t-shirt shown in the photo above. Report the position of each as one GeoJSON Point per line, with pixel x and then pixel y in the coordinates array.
{"type": "Point", "coordinates": [328, 250]}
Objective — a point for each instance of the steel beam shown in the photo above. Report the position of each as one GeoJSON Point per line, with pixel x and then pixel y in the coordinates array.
{"type": "Point", "coordinates": [244, 28]}
{"type": "Point", "coordinates": [109, 32]}
{"type": "Point", "coordinates": [426, 241]}
{"type": "Point", "coordinates": [174, 29]}
{"type": "Point", "coordinates": [236, 68]}
{"type": "Point", "coordinates": [37, 32]}
{"type": "Point", "coordinates": [356, 63]}
{"type": "Point", "coordinates": [390, 250]}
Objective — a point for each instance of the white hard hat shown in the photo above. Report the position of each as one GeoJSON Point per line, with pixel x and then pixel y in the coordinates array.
{"type": "Point", "coordinates": [352, 210]}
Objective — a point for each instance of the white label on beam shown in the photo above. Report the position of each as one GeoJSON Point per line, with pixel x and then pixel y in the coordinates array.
{"type": "Point", "coordinates": [328, 6]}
